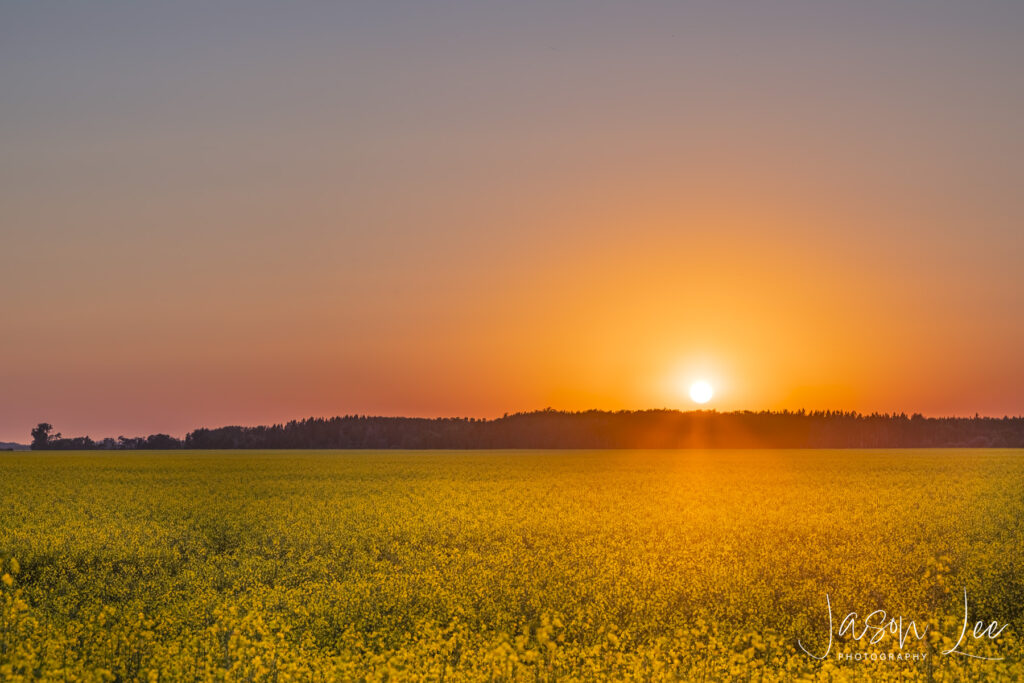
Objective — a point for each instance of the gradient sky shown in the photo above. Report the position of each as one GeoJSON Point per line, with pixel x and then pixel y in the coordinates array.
{"type": "Point", "coordinates": [241, 213]}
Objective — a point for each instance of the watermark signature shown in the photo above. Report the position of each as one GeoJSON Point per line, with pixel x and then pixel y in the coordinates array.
{"type": "Point", "coordinates": [879, 625]}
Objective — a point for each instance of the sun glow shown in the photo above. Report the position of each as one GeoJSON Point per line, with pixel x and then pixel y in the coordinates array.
{"type": "Point", "coordinates": [701, 392]}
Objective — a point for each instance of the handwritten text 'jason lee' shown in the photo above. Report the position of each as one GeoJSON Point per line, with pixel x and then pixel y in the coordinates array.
{"type": "Point", "coordinates": [878, 624]}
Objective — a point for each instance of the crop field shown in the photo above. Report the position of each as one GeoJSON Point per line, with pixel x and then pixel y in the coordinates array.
{"type": "Point", "coordinates": [504, 565]}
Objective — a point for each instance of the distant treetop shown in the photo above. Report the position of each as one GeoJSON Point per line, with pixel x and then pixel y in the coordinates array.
{"type": "Point", "coordinates": [551, 428]}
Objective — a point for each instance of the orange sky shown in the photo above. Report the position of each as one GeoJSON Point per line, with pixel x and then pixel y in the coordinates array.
{"type": "Point", "coordinates": [216, 217]}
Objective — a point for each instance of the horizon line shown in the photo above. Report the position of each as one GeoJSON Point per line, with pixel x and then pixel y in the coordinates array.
{"type": "Point", "coordinates": [549, 409]}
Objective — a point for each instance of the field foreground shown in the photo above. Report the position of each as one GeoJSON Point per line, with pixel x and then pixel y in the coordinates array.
{"type": "Point", "coordinates": [560, 565]}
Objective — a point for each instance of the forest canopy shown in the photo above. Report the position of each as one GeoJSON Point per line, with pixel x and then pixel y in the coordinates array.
{"type": "Point", "coordinates": [588, 429]}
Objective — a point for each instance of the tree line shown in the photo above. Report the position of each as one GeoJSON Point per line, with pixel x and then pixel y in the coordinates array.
{"type": "Point", "coordinates": [587, 429]}
{"type": "Point", "coordinates": [43, 439]}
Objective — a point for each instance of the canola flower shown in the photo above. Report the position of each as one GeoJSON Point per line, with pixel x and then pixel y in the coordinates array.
{"type": "Point", "coordinates": [556, 566]}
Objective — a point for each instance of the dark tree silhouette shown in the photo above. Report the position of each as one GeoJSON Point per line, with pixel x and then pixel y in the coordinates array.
{"type": "Point", "coordinates": [162, 442]}
{"type": "Point", "coordinates": [41, 436]}
{"type": "Point", "coordinates": [590, 429]}
{"type": "Point", "coordinates": [626, 429]}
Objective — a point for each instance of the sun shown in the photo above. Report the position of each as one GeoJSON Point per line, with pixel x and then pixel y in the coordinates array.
{"type": "Point", "coordinates": [701, 392]}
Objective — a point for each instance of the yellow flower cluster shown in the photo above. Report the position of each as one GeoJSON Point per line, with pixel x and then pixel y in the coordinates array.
{"type": "Point", "coordinates": [507, 566]}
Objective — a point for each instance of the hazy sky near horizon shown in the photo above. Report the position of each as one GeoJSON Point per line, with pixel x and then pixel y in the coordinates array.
{"type": "Point", "coordinates": [243, 213]}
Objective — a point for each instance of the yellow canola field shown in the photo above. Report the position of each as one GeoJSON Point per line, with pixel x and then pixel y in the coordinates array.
{"type": "Point", "coordinates": [511, 566]}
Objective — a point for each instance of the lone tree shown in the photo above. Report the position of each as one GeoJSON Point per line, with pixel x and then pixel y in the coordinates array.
{"type": "Point", "coordinates": [41, 436]}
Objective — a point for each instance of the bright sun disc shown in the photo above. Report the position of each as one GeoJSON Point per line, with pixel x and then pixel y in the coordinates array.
{"type": "Point", "coordinates": [701, 392]}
